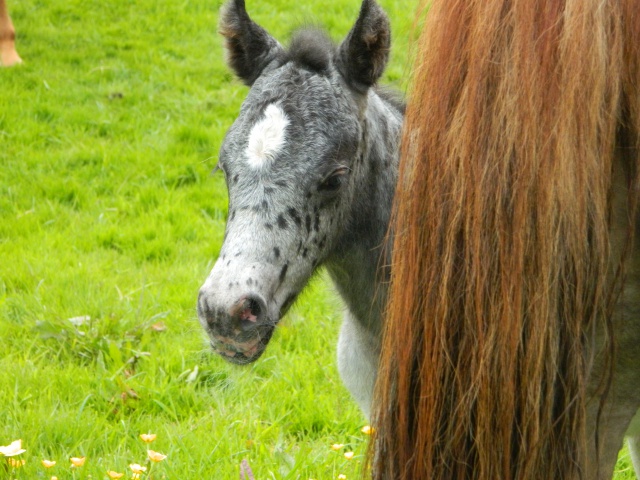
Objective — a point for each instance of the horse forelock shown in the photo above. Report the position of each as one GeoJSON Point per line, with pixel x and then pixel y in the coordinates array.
{"type": "Point", "coordinates": [501, 262]}
{"type": "Point", "coordinates": [311, 48]}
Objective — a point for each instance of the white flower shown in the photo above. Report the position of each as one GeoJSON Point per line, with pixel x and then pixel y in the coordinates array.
{"type": "Point", "coordinates": [15, 448]}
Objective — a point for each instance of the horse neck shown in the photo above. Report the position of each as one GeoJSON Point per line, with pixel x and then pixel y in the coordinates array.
{"type": "Point", "coordinates": [359, 263]}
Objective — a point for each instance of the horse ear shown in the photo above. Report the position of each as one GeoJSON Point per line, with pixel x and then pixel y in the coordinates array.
{"type": "Point", "coordinates": [250, 49]}
{"type": "Point", "coordinates": [363, 55]}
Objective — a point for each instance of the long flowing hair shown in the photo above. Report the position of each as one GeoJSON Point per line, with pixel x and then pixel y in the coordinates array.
{"type": "Point", "coordinates": [502, 269]}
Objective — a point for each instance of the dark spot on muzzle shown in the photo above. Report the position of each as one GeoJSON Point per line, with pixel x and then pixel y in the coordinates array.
{"type": "Point", "coordinates": [283, 272]}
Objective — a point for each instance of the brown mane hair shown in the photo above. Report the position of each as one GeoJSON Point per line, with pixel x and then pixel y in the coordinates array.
{"type": "Point", "coordinates": [501, 267]}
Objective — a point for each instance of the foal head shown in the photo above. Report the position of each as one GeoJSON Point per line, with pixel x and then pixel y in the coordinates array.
{"type": "Point", "coordinates": [291, 165]}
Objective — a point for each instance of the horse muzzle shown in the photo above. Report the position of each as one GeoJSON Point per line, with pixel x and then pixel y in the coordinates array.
{"type": "Point", "coordinates": [240, 332]}
{"type": "Point", "coordinates": [240, 352]}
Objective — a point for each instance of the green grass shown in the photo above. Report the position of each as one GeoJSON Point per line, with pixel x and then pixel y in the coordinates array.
{"type": "Point", "coordinates": [110, 221]}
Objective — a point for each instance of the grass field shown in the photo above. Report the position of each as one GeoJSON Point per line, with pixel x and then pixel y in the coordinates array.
{"type": "Point", "coordinates": [109, 222]}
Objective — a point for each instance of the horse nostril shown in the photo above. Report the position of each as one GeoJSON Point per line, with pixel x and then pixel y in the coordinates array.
{"type": "Point", "coordinates": [249, 312]}
{"type": "Point", "coordinates": [253, 307]}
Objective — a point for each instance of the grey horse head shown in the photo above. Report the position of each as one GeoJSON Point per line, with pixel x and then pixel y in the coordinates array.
{"type": "Point", "coordinates": [292, 162]}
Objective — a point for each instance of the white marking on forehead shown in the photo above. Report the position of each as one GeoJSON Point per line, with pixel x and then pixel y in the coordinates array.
{"type": "Point", "coordinates": [267, 137]}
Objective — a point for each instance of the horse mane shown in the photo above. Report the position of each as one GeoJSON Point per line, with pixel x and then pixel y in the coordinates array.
{"type": "Point", "coordinates": [501, 267]}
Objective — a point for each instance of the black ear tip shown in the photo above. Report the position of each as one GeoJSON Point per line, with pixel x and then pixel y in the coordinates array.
{"type": "Point", "coordinates": [233, 9]}
{"type": "Point", "coordinates": [372, 16]}
{"type": "Point", "coordinates": [369, 7]}
{"type": "Point", "coordinates": [233, 18]}
{"type": "Point", "coordinates": [240, 6]}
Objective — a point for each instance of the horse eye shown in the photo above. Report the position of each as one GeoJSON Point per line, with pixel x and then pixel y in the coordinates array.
{"type": "Point", "coordinates": [334, 181]}
{"type": "Point", "coordinates": [331, 184]}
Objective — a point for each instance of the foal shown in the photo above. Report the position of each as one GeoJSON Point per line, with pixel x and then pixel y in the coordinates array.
{"type": "Point", "coordinates": [310, 165]}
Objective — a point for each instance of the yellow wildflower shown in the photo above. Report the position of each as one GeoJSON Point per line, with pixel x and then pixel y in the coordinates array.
{"type": "Point", "coordinates": [113, 474]}
{"type": "Point", "coordinates": [137, 469]}
{"type": "Point", "coordinates": [54, 478]}
{"type": "Point", "coordinates": [155, 456]}
{"type": "Point", "coordinates": [15, 463]}
{"type": "Point", "coordinates": [77, 461]}
{"type": "Point", "coordinates": [13, 449]}
{"type": "Point", "coordinates": [348, 455]}
{"type": "Point", "coordinates": [342, 477]}
{"type": "Point", "coordinates": [148, 437]}
{"type": "Point", "coordinates": [48, 463]}
{"type": "Point", "coordinates": [367, 430]}
{"type": "Point", "coordinates": [337, 446]}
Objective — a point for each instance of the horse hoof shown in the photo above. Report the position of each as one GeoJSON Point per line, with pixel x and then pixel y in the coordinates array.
{"type": "Point", "coordinates": [10, 58]}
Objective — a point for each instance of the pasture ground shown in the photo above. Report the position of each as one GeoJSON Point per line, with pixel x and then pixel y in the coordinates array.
{"type": "Point", "coordinates": [110, 221]}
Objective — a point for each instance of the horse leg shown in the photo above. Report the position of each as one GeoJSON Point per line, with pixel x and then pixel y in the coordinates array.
{"type": "Point", "coordinates": [619, 416]}
{"type": "Point", "coordinates": [633, 442]}
{"type": "Point", "coordinates": [611, 432]}
{"type": "Point", "coordinates": [8, 54]}
{"type": "Point", "coordinates": [358, 352]}
{"type": "Point", "coordinates": [634, 449]}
